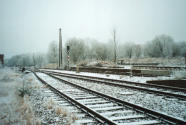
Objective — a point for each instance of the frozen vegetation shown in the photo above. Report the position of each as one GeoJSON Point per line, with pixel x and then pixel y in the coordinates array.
{"type": "Point", "coordinates": [161, 49]}
{"type": "Point", "coordinates": [35, 108]}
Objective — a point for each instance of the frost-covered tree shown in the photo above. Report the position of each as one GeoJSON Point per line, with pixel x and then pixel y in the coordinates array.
{"type": "Point", "coordinates": [20, 60]}
{"type": "Point", "coordinates": [137, 51]}
{"type": "Point", "coordinates": [77, 49]}
{"type": "Point", "coordinates": [101, 51]}
{"type": "Point", "coordinates": [38, 59]}
{"type": "Point", "coordinates": [52, 52]}
{"type": "Point", "coordinates": [160, 46]}
{"type": "Point", "coordinates": [127, 49]}
{"type": "Point", "coordinates": [182, 48]}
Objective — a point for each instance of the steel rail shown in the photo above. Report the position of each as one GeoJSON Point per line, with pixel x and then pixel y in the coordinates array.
{"type": "Point", "coordinates": [123, 81]}
{"type": "Point", "coordinates": [89, 111]}
{"type": "Point", "coordinates": [147, 111]}
{"type": "Point", "coordinates": [126, 86]}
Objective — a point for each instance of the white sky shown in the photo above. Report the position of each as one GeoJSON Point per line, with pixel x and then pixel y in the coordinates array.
{"type": "Point", "coordinates": [30, 25]}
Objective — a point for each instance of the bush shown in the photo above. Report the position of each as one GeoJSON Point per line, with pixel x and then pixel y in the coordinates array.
{"type": "Point", "coordinates": [23, 92]}
{"type": "Point", "coordinates": [179, 74]}
{"type": "Point", "coordinates": [84, 63]}
{"type": "Point", "coordinates": [99, 64]}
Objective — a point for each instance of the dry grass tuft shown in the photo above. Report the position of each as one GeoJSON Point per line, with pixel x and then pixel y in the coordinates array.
{"type": "Point", "coordinates": [74, 118]}
{"type": "Point", "coordinates": [49, 107]}
{"type": "Point", "coordinates": [65, 112]}
{"type": "Point", "coordinates": [45, 86]}
{"type": "Point", "coordinates": [30, 80]}
{"type": "Point", "coordinates": [50, 104]}
{"type": "Point", "coordinates": [77, 69]}
{"type": "Point", "coordinates": [58, 111]}
{"type": "Point", "coordinates": [38, 122]}
{"type": "Point", "coordinates": [37, 86]}
{"type": "Point", "coordinates": [29, 120]}
{"type": "Point", "coordinates": [23, 108]}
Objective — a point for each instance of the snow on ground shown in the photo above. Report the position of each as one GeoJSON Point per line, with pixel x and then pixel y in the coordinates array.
{"type": "Point", "coordinates": [34, 109]}
{"type": "Point", "coordinates": [47, 108]}
{"type": "Point", "coordinates": [118, 77]}
{"type": "Point", "coordinates": [12, 107]}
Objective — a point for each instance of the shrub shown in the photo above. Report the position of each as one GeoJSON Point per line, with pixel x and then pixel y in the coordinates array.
{"type": "Point", "coordinates": [179, 74]}
{"type": "Point", "coordinates": [23, 92]}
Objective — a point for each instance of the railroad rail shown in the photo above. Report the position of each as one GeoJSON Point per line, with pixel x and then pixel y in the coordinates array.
{"type": "Point", "coordinates": [135, 70]}
{"type": "Point", "coordinates": [150, 88]}
{"type": "Point", "coordinates": [109, 110]}
{"type": "Point", "coordinates": [79, 115]}
{"type": "Point", "coordinates": [160, 67]}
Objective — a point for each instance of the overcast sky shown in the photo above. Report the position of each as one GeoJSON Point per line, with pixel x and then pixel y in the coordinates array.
{"type": "Point", "coordinates": [28, 26]}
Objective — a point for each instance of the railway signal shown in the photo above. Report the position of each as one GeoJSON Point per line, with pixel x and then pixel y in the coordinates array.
{"type": "Point", "coordinates": [2, 59]}
{"type": "Point", "coordinates": [68, 56]}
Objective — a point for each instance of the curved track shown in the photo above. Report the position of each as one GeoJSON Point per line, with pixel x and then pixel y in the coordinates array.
{"type": "Point", "coordinates": [106, 109]}
{"type": "Point", "coordinates": [150, 88]}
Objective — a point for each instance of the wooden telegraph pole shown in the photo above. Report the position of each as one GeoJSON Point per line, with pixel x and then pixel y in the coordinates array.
{"type": "Point", "coordinates": [114, 39]}
{"type": "Point", "coordinates": [60, 49]}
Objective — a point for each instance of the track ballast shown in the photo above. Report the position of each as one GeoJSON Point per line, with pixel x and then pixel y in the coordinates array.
{"type": "Point", "coordinates": [110, 110]}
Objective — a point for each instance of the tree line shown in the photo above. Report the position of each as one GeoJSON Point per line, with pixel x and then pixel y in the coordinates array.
{"type": "Point", "coordinates": [91, 49]}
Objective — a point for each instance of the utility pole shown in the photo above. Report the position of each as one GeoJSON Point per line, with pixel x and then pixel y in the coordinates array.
{"type": "Point", "coordinates": [60, 49]}
{"type": "Point", "coordinates": [114, 39]}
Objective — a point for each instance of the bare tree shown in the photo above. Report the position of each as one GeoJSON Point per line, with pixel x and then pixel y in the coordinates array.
{"type": "Point", "coordinates": [101, 51]}
{"type": "Point", "coordinates": [183, 50]}
{"type": "Point", "coordinates": [53, 52]}
{"type": "Point", "coordinates": [137, 50]}
{"type": "Point", "coordinates": [34, 59]}
{"type": "Point", "coordinates": [160, 46]}
{"type": "Point", "coordinates": [128, 49]}
{"type": "Point", "coordinates": [39, 59]}
{"type": "Point", "coordinates": [77, 49]}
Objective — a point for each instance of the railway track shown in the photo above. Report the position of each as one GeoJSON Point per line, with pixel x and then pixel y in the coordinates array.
{"type": "Point", "coordinates": [68, 107]}
{"type": "Point", "coordinates": [160, 67]}
{"type": "Point", "coordinates": [150, 88]}
{"type": "Point", "coordinates": [103, 108]}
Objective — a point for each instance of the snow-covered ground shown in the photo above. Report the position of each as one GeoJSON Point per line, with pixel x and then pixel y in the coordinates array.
{"type": "Point", "coordinates": [35, 109]}
{"type": "Point", "coordinates": [41, 108]}
{"type": "Point", "coordinates": [11, 105]}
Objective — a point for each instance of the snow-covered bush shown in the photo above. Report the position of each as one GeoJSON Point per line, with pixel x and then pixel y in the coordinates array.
{"type": "Point", "coordinates": [179, 74]}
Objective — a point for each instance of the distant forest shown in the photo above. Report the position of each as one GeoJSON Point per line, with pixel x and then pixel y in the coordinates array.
{"type": "Point", "coordinates": [91, 49]}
